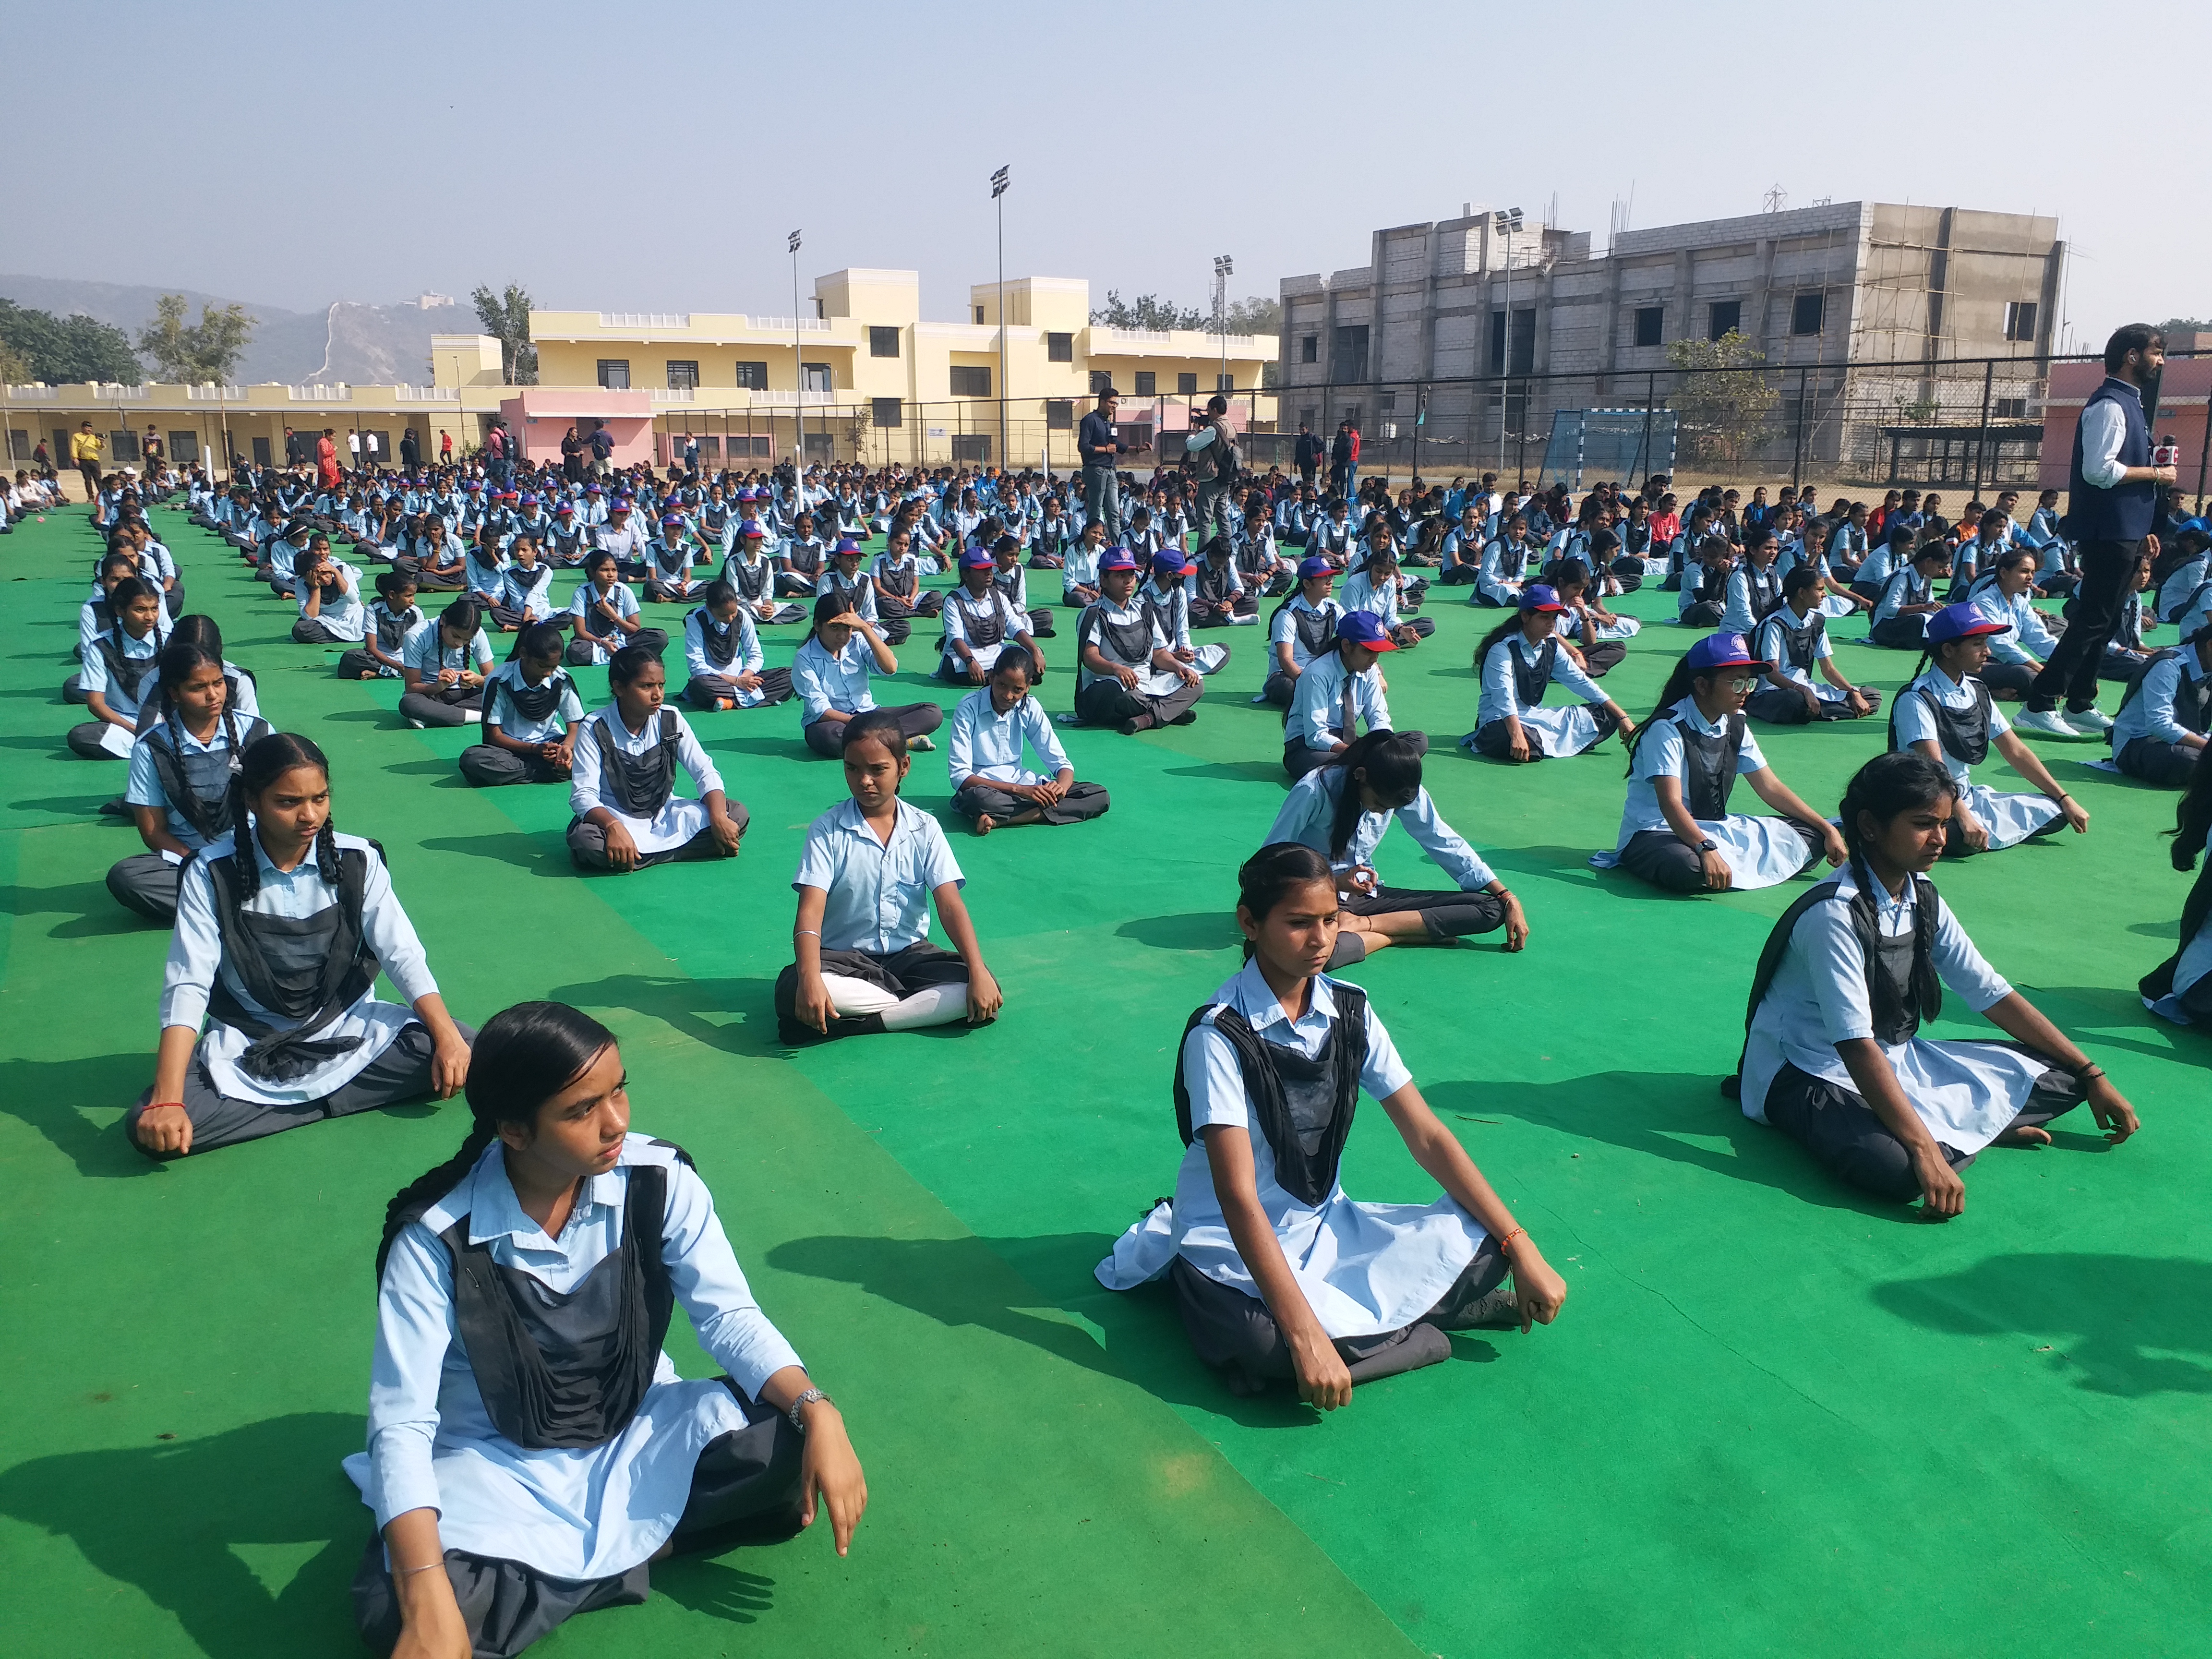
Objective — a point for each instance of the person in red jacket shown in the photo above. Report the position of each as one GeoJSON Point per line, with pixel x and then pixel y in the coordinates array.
{"type": "Point", "coordinates": [327, 459]}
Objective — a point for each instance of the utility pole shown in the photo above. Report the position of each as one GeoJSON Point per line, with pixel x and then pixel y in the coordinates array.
{"type": "Point", "coordinates": [1224, 267]}
{"type": "Point", "coordinates": [998, 182]}
{"type": "Point", "coordinates": [1506, 221]}
{"type": "Point", "coordinates": [798, 377]}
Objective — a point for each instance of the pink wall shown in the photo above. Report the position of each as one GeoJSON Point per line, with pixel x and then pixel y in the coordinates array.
{"type": "Point", "coordinates": [2183, 395]}
{"type": "Point", "coordinates": [541, 416]}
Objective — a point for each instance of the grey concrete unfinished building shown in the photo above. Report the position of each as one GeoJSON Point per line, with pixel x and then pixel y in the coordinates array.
{"type": "Point", "coordinates": [1880, 331]}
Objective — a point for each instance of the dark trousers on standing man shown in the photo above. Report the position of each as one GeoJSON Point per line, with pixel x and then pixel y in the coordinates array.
{"type": "Point", "coordinates": [2108, 571]}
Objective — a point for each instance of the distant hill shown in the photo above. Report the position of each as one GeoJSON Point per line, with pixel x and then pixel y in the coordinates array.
{"type": "Point", "coordinates": [361, 344]}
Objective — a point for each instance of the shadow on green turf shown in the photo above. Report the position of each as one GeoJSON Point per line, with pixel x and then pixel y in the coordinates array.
{"type": "Point", "coordinates": [2140, 1325]}
{"type": "Point", "coordinates": [1008, 1285]}
{"type": "Point", "coordinates": [166, 1517]}
{"type": "Point", "coordinates": [90, 910]}
{"type": "Point", "coordinates": [1251, 771]}
{"type": "Point", "coordinates": [1646, 1112]}
{"type": "Point", "coordinates": [540, 855]}
{"type": "Point", "coordinates": [1195, 930]}
{"type": "Point", "coordinates": [683, 1005]}
{"type": "Point", "coordinates": [49, 1094]}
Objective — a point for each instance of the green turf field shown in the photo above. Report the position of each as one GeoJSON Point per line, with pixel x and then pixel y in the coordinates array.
{"type": "Point", "coordinates": [1772, 1419]}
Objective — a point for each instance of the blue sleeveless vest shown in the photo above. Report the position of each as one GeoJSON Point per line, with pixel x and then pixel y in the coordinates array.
{"type": "Point", "coordinates": [2122, 514]}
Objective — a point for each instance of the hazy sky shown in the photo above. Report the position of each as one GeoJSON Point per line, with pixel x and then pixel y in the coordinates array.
{"type": "Point", "coordinates": [610, 157]}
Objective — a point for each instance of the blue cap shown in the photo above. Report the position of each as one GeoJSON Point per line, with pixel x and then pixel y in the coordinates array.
{"type": "Point", "coordinates": [1721, 651]}
{"type": "Point", "coordinates": [565, 507]}
{"type": "Point", "coordinates": [592, 489]}
{"type": "Point", "coordinates": [1963, 622]}
{"type": "Point", "coordinates": [674, 518]}
{"type": "Point", "coordinates": [1316, 566]}
{"type": "Point", "coordinates": [1165, 564]}
{"type": "Point", "coordinates": [1364, 628]}
{"type": "Point", "coordinates": [1116, 558]}
{"type": "Point", "coordinates": [472, 485]}
{"type": "Point", "coordinates": [620, 504]}
{"type": "Point", "coordinates": [529, 499]}
{"type": "Point", "coordinates": [752, 532]}
{"type": "Point", "coordinates": [845, 544]}
{"type": "Point", "coordinates": [1540, 596]}
{"type": "Point", "coordinates": [977, 558]}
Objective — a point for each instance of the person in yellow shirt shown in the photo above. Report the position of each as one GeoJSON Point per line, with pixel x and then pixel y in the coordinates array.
{"type": "Point", "coordinates": [84, 450]}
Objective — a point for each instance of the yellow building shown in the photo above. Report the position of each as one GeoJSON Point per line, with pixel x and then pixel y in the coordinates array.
{"type": "Point", "coordinates": [865, 377]}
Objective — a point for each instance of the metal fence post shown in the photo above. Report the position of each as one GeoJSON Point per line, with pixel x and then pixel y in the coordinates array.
{"type": "Point", "coordinates": [1982, 433]}
{"type": "Point", "coordinates": [1798, 460]}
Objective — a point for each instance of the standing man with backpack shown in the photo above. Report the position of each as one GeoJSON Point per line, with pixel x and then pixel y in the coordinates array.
{"type": "Point", "coordinates": [498, 464]}
{"type": "Point", "coordinates": [603, 446]}
{"type": "Point", "coordinates": [1308, 455]}
{"type": "Point", "coordinates": [1213, 456]}
{"type": "Point", "coordinates": [2112, 500]}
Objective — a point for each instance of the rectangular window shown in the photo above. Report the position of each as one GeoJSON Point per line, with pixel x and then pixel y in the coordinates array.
{"type": "Point", "coordinates": [184, 448]}
{"type": "Point", "coordinates": [1723, 317]}
{"type": "Point", "coordinates": [1059, 415]}
{"type": "Point", "coordinates": [1148, 383]}
{"type": "Point", "coordinates": [1308, 417]}
{"type": "Point", "coordinates": [710, 446]}
{"type": "Point", "coordinates": [751, 376]}
{"type": "Point", "coordinates": [1309, 348]}
{"type": "Point", "coordinates": [972, 446]}
{"type": "Point", "coordinates": [759, 445]}
{"type": "Point", "coordinates": [1224, 383]}
{"type": "Point", "coordinates": [2020, 320]}
{"type": "Point", "coordinates": [1523, 358]}
{"type": "Point", "coordinates": [821, 446]}
{"type": "Point", "coordinates": [1348, 361]}
{"type": "Point", "coordinates": [1100, 380]}
{"type": "Point", "coordinates": [1808, 313]}
{"type": "Point", "coordinates": [815, 377]}
{"type": "Point", "coordinates": [1186, 385]}
{"type": "Point", "coordinates": [971, 382]}
{"type": "Point", "coordinates": [682, 376]}
{"type": "Point", "coordinates": [123, 446]}
{"type": "Point", "coordinates": [979, 313]}
{"type": "Point", "coordinates": [614, 373]}
{"type": "Point", "coordinates": [261, 452]}
{"type": "Point", "coordinates": [1388, 402]}
{"type": "Point", "coordinates": [377, 446]}
{"type": "Point", "coordinates": [1650, 321]}
{"type": "Point", "coordinates": [1060, 347]}
{"type": "Point", "coordinates": [19, 444]}
{"type": "Point", "coordinates": [2009, 409]}
{"type": "Point", "coordinates": [883, 340]}
{"type": "Point", "coordinates": [884, 412]}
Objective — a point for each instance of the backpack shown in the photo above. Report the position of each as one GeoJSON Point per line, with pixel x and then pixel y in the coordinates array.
{"type": "Point", "coordinates": [496, 443]}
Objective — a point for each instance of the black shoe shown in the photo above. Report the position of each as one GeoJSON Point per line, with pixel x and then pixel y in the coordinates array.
{"type": "Point", "coordinates": [1189, 717]}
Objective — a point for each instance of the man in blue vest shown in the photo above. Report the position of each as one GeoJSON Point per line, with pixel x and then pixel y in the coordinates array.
{"type": "Point", "coordinates": [2112, 498]}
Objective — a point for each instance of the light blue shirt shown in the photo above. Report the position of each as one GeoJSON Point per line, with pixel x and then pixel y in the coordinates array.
{"type": "Point", "coordinates": [529, 590]}
{"type": "Point", "coordinates": [1501, 687]}
{"type": "Point", "coordinates": [1317, 715]}
{"type": "Point", "coordinates": [2028, 634]}
{"type": "Point", "coordinates": [499, 707]}
{"type": "Point", "coordinates": [586, 1512]}
{"type": "Point", "coordinates": [145, 787]}
{"type": "Point", "coordinates": [986, 744]}
{"type": "Point", "coordinates": [1309, 814]}
{"type": "Point", "coordinates": [2148, 714]}
{"type": "Point", "coordinates": [426, 652]}
{"type": "Point", "coordinates": [749, 657]}
{"type": "Point", "coordinates": [879, 894]}
{"type": "Point", "coordinates": [825, 682]}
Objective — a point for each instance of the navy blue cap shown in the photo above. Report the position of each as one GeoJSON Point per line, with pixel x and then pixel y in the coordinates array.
{"type": "Point", "coordinates": [977, 558]}
{"type": "Point", "coordinates": [1364, 628]}
{"type": "Point", "coordinates": [1316, 566]}
{"type": "Point", "coordinates": [1963, 622]}
{"type": "Point", "coordinates": [1165, 564]}
{"type": "Point", "coordinates": [1540, 596]}
{"type": "Point", "coordinates": [1116, 558]}
{"type": "Point", "coordinates": [1721, 651]}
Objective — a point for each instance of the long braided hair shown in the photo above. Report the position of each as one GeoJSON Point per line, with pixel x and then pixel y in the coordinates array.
{"type": "Point", "coordinates": [523, 1056]}
{"type": "Point", "coordinates": [266, 760]}
{"type": "Point", "coordinates": [178, 660]}
{"type": "Point", "coordinates": [1899, 781]}
{"type": "Point", "coordinates": [1681, 682]}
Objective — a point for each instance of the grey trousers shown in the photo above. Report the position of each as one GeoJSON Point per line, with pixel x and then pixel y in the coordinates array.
{"type": "Point", "coordinates": [1108, 702]}
{"type": "Point", "coordinates": [1775, 707]}
{"type": "Point", "coordinates": [1300, 757]}
{"type": "Point", "coordinates": [1212, 512]}
{"type": "Point", "coordinates": [587, 843]}
{"type": "Point", "coordinates": [745, 1489]}
{"type": "Point", "coordinates": [146, 884]}
{"type": "Point", "coordinates": [1847, 1139]}
{"type": "Point", "coordinates": [400, 1074]}
{"type": "Point", "coordinates": [916, 720]}
{"type": "Point", "coordinates": [84, 740]}
{"type": "Point", "coordinates": [438, 711]}
{"type": "Point", "coordinates": [488, 767]}
{"type": "Point", "coordinates": [314, 630]}
{"type": "Point", "coordinates": [1102, 500]}
{"type": "Point", "coordinates": [2168, 765]}
{"type": "Point", "coordinates": [1237, 1336]}
{"type": "Point", "coordinates": [1082, 801]}
{"type": "Point", "coordinates": [1706, 613]}
{"type": "Point", "coordinates": [775, 688]}
{"type": "Point", "coordinates": [579, 652]}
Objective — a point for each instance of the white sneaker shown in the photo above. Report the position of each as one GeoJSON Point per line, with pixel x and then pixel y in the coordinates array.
{"type": "Point", "coordinates": [2045, 723]}
{"type": "Point", "coordinates": [2092, 719]}
{"type": "Point", "coordinates": [923, 743]}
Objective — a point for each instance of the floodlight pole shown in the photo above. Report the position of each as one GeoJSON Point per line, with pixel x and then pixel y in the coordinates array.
{"type": "Point", "coordinates": [797, 384]}
{"type": "Point", "coordinates": [1000, 180]}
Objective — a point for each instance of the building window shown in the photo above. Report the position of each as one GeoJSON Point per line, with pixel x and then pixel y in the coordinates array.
{"type": "Point", "coordinates": [1186, 385]}
{"type": "Point", "coordinates": [969, 382]}
{"type": "Point", "coordinates": [19, 444]}
{"type": "Point", "coordinates": [1348, 362]}
{"type": "Point", "coordinates": [1224, 383]}
{"type": "Point", "coordinates": [1388, 402]}
{"type": "Point", "coordinates": [682, 376]}
{"type": "Point", "coordinates": [1059, 415]}
{"type": "Point", "coordinates": [1650, 321]}
{"type": "Point", "coordinates": [1523, 358]}
{"type": "Point", "coordinates": [614, 373]}
{"type": "Point", "coordinates": [883, 340]}
{"type": "Point", "coordinates": [1723, 317]}
{"type": "Point", "coordinates": [821, 446]}
{"type": "Point", "coordinates": [815, 377]}
{"type": "Point", "coordinates": [1308, 417]}
{"type": "Point", "coordinates": [884, 412]}
{"type": "Point", "coordinates": [979, 313]}
{"type": "Point", "coordinates": [184, 448]}
{"type": "Point", "coordinates": [1148, 384]}
{"type": "Point", "coordinates": [1060, 347]}
{"type": "Point", "coordinates": [1808, 313]}
{"type": "Point", "coordinates": [1309, 348]}
{"type": "Point", "coordinates": [1100, 380]}
{"type": "Point", "coordinates": [2009, 409]}
{"type": "Point", "coordinates": [972, 446]}
{"type": "Point", "coordinates": [2020, 320]}
{"type": "Point", "coordinates": [753, 377]}
{"type": "Point", "coordinates": [123, 446]}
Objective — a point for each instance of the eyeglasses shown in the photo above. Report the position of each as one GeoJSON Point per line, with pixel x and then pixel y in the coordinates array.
{"type": "Point", "coordinates": [1743, 683]}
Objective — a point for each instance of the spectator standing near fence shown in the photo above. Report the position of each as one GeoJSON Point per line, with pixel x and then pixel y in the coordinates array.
{"type": "Point", "coordinates": [84, 450]}
{"type": "Point", "coordinates": [2112, 500]}
{"type": "Point", "coordinates": [1309, 454]}
{"type": "Point", "coordinates": [1101, 450]}
{"type": "Point", "coordinates": [1217, 465]}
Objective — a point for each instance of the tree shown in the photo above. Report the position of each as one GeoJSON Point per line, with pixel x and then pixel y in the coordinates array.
{"type": "Point", "coordinates": [506, 317]}
{"type": "Point", "coordinates": [1146, 311]}
{"type": "Point", "coordinates": [67, 351]}
{"type": "Point", "coordinates": [192, 352]}
{"type": "Point", "coordinates": [14, 367]}
{"type": "Point", "coordinates": [1722, 405]}
{"type": "Point", "coordinates": [1255, 316]}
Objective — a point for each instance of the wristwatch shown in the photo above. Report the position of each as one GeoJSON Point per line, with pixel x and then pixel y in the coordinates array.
{"type": "Point", "coordinates": [800, 1404]}
{"type": "Point", "coordinates": [1709, 845]}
